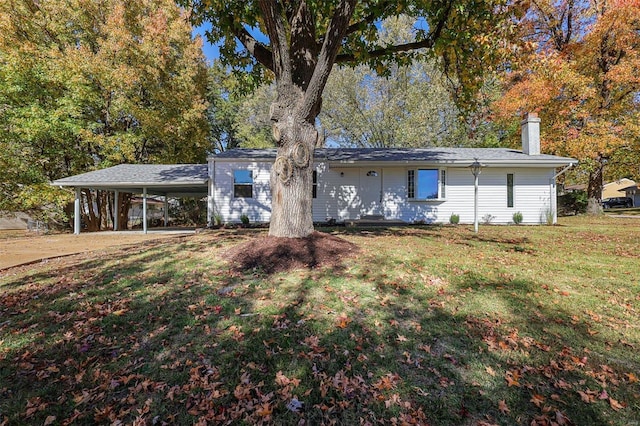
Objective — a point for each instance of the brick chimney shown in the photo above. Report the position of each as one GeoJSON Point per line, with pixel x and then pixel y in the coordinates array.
{"type": "Point", "coordinates": [530, 126]}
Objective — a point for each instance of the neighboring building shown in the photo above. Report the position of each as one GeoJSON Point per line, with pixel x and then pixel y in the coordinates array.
{"type": "Point", "coordinates": [633, 192]}
{"type": "Point", "coordinates": [410, 185]}
{"type": "Point", "coordinates": [616, 188]}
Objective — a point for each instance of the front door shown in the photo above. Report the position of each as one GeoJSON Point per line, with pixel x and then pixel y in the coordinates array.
{"type": "Point", "coordinates": [371, 192]}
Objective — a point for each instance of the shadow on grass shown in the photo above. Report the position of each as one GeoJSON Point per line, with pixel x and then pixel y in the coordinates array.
{"type": "Point", "coordinates": [167, 332]}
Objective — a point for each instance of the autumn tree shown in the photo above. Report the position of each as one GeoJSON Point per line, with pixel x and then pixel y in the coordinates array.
{"type": "Point", "coordinates": [582, 75]}
{"type": "Point", "coordinates": [237, 112]}
{"type": "Point", "coordinates": [87, 85]}
{"type": "Point", "coordinates": [304, 39]}
{"type": "Point", "coordinates": [407, 106]}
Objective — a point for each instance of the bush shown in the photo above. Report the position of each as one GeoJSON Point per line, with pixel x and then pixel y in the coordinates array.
{"type": "Point", "coordinates": [454, 219]}
{"type": "Point", "coordinates": [572, 203]}
{"type": "Point", "coordinates": [217, 220]}
{"type": "Point", "coordinates": [487, 219]}
{"type": "Point", "coordinates": [188, 211]}
{"type": "Point", "coordinates": [517, 218]}
{"type": "Point", "coordinates": [244, 219]}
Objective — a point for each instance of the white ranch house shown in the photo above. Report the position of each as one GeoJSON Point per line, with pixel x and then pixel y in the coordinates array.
{"type": "Point", "coordinates": [409, 185]}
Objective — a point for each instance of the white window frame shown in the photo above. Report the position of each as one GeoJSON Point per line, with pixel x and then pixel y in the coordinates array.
{"type": "Point", "coordinates": [243, 184]}
{"type": "Point", "coordinates": [513, 190]}
{"type": "Point", "coordinates": [442, 184]}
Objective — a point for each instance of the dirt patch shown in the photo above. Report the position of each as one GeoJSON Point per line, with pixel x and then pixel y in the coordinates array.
{"type": "Point", "coordinates": [15, 250]}
{"type": "Point", "coordinates": [273, 254]}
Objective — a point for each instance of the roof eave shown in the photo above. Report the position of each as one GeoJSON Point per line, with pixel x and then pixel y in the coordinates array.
{"type": "Point", "coordinates": [456, 163]}
{"type": "Point", "coordinates": [102, 184]}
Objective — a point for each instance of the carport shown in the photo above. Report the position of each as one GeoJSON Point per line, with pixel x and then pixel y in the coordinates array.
{"type": "Point", "coordinates": [167, 180]}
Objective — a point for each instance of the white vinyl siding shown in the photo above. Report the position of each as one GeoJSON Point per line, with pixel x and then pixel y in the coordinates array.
{"type": "Point", "coordinates": [339, 192]}
{"type": "Point", "coordinates": [338, 195]}
{"type": "Point", "coordinates": [257, 208]}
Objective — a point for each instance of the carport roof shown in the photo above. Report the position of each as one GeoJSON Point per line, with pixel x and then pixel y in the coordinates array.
{"type": "Point", "coordinates": [161, 179]}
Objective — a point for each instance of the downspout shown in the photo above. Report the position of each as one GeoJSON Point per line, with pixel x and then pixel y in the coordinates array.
{"type": "Point", "coordinates": [552, 193]}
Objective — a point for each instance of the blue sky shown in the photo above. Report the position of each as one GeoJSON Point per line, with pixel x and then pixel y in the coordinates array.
{"type": "Point", "coordinates": [211, 51]}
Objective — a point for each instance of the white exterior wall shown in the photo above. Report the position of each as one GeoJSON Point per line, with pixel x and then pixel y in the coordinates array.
{"type": "Point", "coordinates": [340, 192]}
{"type": "Point", "coordinates": [257, 208]}
{"type": "Point", "coordinates": [339, 189]}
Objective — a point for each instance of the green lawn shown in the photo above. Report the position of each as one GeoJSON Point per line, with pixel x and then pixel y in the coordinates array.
{"type": "Point", "coordinates": [430, 325]}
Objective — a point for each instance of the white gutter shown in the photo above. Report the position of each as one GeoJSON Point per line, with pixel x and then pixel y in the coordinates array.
{"type": "Point", "coordinates": [561, 172]}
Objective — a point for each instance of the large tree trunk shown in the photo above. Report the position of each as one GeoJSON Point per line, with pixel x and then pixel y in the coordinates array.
{"type": "Point", "coordinates": [301, 66]}
{"type": "Point", "coordinates": [594, 192]}
{"type": "Point", "coordinates": [291, 177]}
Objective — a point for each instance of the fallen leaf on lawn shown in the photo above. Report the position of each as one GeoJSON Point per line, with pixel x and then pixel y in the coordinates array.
{"type": "Point", "coordinates": [401, 338]}
{"type": "Point", "coordinates": [603, 394]}
{"type": "Point", "coordinates": [561, 419]}
{"type": "Point", "coordinates": [587, 397]}
{"type": "Point", "coordinates": [49, 420]}
{"type": "Point", "coordinates": [502, 406]}
{"type": "Point", "coordinates": [632, 378]}
{"type": "Point", "coordinates": [119, 312]}
{"type": "Point", "coordinates": [490, 371]}
{"type": "Point", "coordinates": [537, 399]}
{"type": "Point", "coordinates": [512, 378]}
{"type": "Point", "coordinates": [342, 321]}
{"type": "Point", "coordinates": [615, 404]}
{"type": "Point", "coordinates": [264, 410]}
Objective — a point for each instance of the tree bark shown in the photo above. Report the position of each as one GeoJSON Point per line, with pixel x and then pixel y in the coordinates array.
{"type": "Point", "coordinates": [291, 177]}
{"type": "Point", "coordinates": [301, 66]}
{"type": "Point", "coordinates": [594, 191]}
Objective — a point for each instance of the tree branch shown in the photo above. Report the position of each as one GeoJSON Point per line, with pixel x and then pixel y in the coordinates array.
{"type": "Point", "coordinates": [407, 47]}
{"type": "Point", "coordinates": [389, 50]}
{"type": "Point", "coordinates": [255, 48]}
{"type": "Point", "coordinates": [277, 35]}
{"type": "Point", "coordinates": [369, 19]}
{"type": "Point", "coordinates": [309, 108]}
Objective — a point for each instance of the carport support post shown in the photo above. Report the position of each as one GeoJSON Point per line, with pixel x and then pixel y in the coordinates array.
{"type": "Point", "coordinates": [166, 211]}
{"type": "Point", "coordinates": [116, 209]}
{"type": "Point", "coordinates": [144, 210]}
{"type": "Point", "coordinates": [76, 212]}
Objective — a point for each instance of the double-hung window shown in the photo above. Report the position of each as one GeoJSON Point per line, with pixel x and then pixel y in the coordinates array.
{"type": "Point", "coordinates": [314, 185]}
{"type": "Point", "coordinates": [242, 184]}
{"type": "Point", "coordinates": [426, 184]}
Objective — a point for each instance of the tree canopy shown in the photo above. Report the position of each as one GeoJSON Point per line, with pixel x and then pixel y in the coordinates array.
{"type": "Point", "coordinates": [582, 75]}
{"type": "Point", "coordinates": [409, 106]}
{"type": "Point", "coordinates": [86, 85]}
{"type": "Point", "coordinates": [238, 118]}
{"type": "Point", "coordinates": [298, 42]}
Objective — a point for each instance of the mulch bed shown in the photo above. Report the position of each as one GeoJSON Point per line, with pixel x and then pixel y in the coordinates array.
{"type": "Point", "coordinates": [275, 254]}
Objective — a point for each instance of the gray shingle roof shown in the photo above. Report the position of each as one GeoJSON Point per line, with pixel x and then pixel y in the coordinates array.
{"type": "Point", "coordinates": [159, 178]}
{"type": "Point", "coordinates": [141, 174]}
{"type": "Point", "coordinates": [460, 156]}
